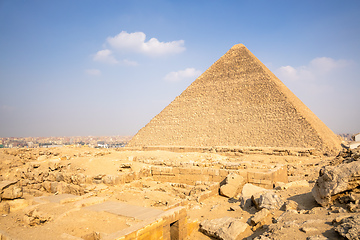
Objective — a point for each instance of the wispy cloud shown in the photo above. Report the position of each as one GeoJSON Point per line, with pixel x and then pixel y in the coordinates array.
{"type": "Point", "coordinates": [105, 56]}
{"type": "Point", "coordinates": [317, 75]}
{"type": "Point", "coordinates": [93, 72]}
{"type": "Point", "coordinates": [6, 108]}
{"type": "Point", "coordinates": [136, 42]}
{"type": "Point", "coordinates": [123, 44]}
{"type": "Point", "coordinates": [182, 74]}
{"type": "Point", "coordinates": [129, 62]}
{"type": "Point", "coordinates": [317, 68]}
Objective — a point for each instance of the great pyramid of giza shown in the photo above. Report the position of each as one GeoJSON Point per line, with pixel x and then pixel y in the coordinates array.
{"type": "Point", "coordinates": [238, 101]}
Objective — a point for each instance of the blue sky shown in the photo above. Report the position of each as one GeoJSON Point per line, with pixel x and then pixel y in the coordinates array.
{"type": "Point", "coordinates": [79, 68]}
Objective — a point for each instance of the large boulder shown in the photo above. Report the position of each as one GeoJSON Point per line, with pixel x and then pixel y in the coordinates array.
{"type": "Point", "coordinates": [336, 179]}
{"type": "Point", "coordinates": [226, 228]}
{"type": "Point", "coordinates": [232, 186]}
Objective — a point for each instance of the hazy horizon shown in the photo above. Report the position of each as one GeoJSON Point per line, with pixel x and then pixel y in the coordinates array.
{"type": "Point", "coordinates": [76, 68]}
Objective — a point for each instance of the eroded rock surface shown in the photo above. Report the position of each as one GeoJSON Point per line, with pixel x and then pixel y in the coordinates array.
{"type": "Point", "coordinates": [270, 201]}
{"type": "Point", "coordinates": [232, 186]}
{"type": "Point", "coordinates": [349, 228]}
{"type": "Point", "coordinates": [247, 193]}
{"type": "Point", "coordinates": [226, 228]}
{"type": "Point", "coordinates": [336, 179]}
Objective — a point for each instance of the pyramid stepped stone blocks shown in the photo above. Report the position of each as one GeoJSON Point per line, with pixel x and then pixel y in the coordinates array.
{"type": "Point", "coordinates": [237, 102]}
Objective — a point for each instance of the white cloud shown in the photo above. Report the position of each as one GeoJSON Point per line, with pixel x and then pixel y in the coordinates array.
{"type": "Point", "coordinates": [316, 70]}
{"type": "Point", "coordinates": [129, 62]}
{"type": "Point", "coordinates": [93, 72]}
{"type": "Point", "coordinates": [135, 42]}
{"type": "Point", "coordinates": [105, 56]}
{"type": "Point", "coordinates": [6, 108]}
{"type": "Point", "coordinates": [329, 87]}
{"type": "Point", "coordinates": [287, 72]}
{"type": "Point", "coordinates": [320, 75]}
{"type": "Point", "coordinates": [182, 74]}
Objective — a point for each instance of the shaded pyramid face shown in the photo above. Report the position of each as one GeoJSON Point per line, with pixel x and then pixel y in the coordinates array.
{"type": "Point", "coordinates": [237, 102]}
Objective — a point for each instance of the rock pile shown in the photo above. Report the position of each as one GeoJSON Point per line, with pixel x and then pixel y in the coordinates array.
{"type": "Point", "coordinates": [338, 179]}
{"type": "Point", "coordinates": [337, 191]}
{"type": "Point", "coordinates": [349, 228]}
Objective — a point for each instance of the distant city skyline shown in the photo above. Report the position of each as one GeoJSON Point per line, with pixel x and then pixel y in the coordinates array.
{"type": "Point", "coordinates": [76, 68]}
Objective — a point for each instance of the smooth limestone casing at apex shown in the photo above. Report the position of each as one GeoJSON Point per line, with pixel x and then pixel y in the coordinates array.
{"type": "Point", "coordinates": [237, 102]}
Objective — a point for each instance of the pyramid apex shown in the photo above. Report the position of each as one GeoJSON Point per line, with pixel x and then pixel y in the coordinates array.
{"type": "Point", "coordinates": [240, 45]}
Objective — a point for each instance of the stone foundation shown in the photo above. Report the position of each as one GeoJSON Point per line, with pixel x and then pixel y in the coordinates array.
{"type": "Point", "coordinates": [170, 225]}
{"type": "Point", "coordinates": [230, 151]}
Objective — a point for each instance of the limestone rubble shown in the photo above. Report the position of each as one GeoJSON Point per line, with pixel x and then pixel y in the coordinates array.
{"type": "Point", "coordinates": [336, 179]}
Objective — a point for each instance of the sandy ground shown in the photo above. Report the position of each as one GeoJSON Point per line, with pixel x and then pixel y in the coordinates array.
{"type": "Point", "coordinates": [67, 219]}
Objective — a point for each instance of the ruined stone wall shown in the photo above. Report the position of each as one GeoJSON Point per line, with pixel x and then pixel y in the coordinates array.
{"type": "Point", "coordinates": [191, 175]}
{"type": "Point", "coordinates": [157, 228]}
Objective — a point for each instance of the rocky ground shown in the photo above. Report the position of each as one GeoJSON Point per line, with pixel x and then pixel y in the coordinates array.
{"type": "Point", "coordinates": [321, 200]}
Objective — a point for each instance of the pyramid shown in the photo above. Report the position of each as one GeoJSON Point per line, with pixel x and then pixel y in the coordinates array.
{"type": "Point", "coordinates": [237, 102]}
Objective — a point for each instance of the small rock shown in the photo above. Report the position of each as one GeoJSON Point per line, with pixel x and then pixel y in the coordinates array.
{"type": "Point", "coordinates": [353, 207]}
{"type": "Point", "coordinates": [317, 237]}
{"type": "Point", "coordinates": [308, 229]}
{"type": "Point", "coordinates": [4, 208]}
{"type": "Point", "coordinates": [316, 210]}
{"type": "Point", "coordinates": [291, 224]}
{"type": "Point", "coordinates": [126, 165]}
{"type": "Point", "coordinates": [235, 208]}
{"type": "Point", "coordinates": [303, 211]}
{"type": "Point", "coordinates": [270, 200]}
{"type": "Point", "coordinates": [289, 213]}
{"type": "Point", "coordinates": [260, 217]}
{"type": "Point", "coordinates": [338, 219]}
{"type": "Point", "coordinates": [34, 217]}
{"type": "Point", "coordinates": [290, 204]}
{"type": "Point", "coordinates": [339, 210]}
{"type": "Point", "coordinates": [301, 183]}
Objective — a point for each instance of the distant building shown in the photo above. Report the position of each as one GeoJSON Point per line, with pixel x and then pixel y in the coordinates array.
{"type": "Point", "coordinates": [356, 142]}
{"type": "Point", "coordinates": [357, 137]}
{"type": "Point", "coordinates": [102, 144]}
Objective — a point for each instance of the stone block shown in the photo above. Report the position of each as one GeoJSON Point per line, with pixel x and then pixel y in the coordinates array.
{"type": "Point", "coordinates": [18, 204]}
{"type": "Point", "coordinates": [213, 171]}
{"type": "Point", "coordinates": [195, 171]}
{"type": "Point", "coordinates": [12, 192]}
{"type": "Point", "coordinates": [225, 228]}
{"type": "Point", "coordinates": [233, 185]}
{"type": "Point", "coordinates": [223, 172]}
{"type": "Point", "coordinates": [260, 217]}
{"type": "Point", "coordinates": [248, 191]}
{"type": "Point", "coordinates": [269, 200]}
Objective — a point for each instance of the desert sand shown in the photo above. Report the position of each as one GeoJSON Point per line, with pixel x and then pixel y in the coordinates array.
{"type": "Point", "coordinates": [56, 200]}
